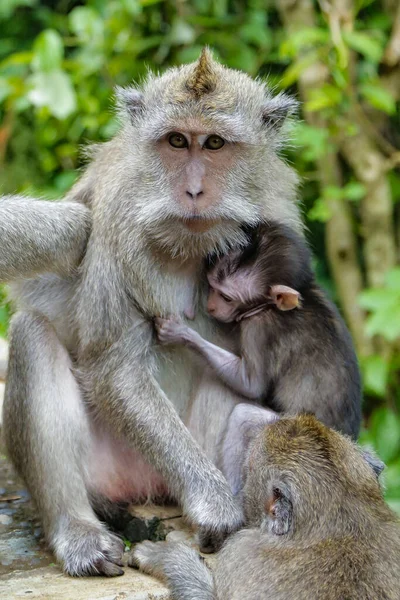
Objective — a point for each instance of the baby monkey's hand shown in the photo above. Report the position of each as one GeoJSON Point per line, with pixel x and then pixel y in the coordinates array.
{"type": "Point", "coordinates": [171, 331]}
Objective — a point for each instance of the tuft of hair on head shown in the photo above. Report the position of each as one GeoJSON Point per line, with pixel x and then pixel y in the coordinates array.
{"type": "Point", "coordinates": [203, 80]}
{"type": "Point", "coordinates": [276, 110]}
{"type": "Point", "coordinates": [129, 101]}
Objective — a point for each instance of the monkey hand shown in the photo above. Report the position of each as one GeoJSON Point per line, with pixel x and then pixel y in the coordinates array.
{"type": "Point", "coordinates": [216, 512]}
{"type": "Point", "coordinates": [178, 564]}
{"type": "Point", "coordinates": [149, 557]}
{"type": "Point", "coordinates": [171, 331]}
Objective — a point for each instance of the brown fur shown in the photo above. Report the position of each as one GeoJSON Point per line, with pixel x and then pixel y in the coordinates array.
{"type": "Point", "coordinates": [204, 77]}
{"type": "Point", "coordinates": [327, 535]}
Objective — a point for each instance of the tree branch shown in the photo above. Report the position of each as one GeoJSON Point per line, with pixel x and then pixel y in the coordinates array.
{"type": "Point", "coordinates": [341, 244]}
{"type": "Point", "coordinates": [376, 208]}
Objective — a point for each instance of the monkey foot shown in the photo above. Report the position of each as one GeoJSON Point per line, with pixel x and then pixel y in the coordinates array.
{"type": "Point", "coordinates": [146, 556]}
{"type": "Point", "coordinates": [86, 549]}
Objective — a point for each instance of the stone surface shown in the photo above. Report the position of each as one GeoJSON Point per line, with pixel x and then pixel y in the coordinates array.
{"type": "Point", "coordinates": [48, 583]}
{"type": "Point", "coordinates": [5, 519]}
{"type": "Point", "coordinates": [28, 569]}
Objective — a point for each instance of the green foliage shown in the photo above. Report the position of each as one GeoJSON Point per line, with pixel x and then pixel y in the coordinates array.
{"type": "Point", "coordinates": [384, 307]}
{"type": "Point", "coordinates": [384, 436]}
{"type": "Point", "coordinates": [59, 62]}
{"type": "Point", "coordinates": [4, 312]}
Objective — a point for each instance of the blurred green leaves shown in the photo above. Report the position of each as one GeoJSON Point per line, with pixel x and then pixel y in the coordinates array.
{"type": "Point", "coordinates": [383, 305]}
{"type": "Point", "coordinates": [378, 97]}
{"type": "Point", "coordinates": [7, 7]}
{"type": "Point", "coordinates": [54, 91]}
{"type": "Point", "coordinates": [322, 208]}
{"type": "Point", "coordinates": [365, 44]}
{"type": "Point", "coordinates": [4, 312]}
{"type": "Point", "coordinates": [48, 51]}
{"type": "Point", "coordinates": [384, 436]}
{"type": "Point", "coordinates": [87, 25]}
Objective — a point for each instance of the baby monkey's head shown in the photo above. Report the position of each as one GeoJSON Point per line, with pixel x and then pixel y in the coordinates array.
{"type": "Point", "coordinates": [270, 272]}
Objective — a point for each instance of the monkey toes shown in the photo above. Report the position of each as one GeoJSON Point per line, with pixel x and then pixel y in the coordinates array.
{"type": "Point", "coordinates": [148, 557]}
{"type": "Point", "coordinates": [88, 550]}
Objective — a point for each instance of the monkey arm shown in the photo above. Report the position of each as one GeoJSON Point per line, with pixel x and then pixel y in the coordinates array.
{"type": "Point", "coordinates": [38, 236]}
{"type": "Point", "coordinates": [177, 564]}
{"type": "Point", "coordinates": [122, 386]}
{"type": "Point", "coordinates": [239, 373]}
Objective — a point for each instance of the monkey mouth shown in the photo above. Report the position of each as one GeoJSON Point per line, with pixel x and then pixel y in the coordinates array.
{"type": "Point", "coordinates": [199, 224]}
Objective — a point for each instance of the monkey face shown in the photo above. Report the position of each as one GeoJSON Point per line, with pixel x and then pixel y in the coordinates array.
{"type": "Point", "coordinates": [197, 166]}
{"type": "Point", "coordinates": [199, 148]}
{"type": "Point", "coordinates": [233, 292]}
{"type": "Point", "coordinates": [222, 307]}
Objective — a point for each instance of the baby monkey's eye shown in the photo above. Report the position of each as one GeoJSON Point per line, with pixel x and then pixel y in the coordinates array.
{"type": "Point", "coordinates": [214, 142]}
{"type": "Point", "coordinates": [226, 298]}
{"type": "Point", "coordinates": [177, 140]}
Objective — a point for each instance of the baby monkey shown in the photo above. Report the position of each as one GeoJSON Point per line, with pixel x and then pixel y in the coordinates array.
{"type": "Point", "coordinates": [295, 352]}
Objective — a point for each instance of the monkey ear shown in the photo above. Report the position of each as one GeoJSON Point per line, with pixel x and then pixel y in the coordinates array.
{"type": "Point", "coordinates": [129, 101]}
{"type": "Point", "coordinates": [284, 297]}
{"type": "Point", "coordinates": [279, 510]}
{"type": "Point", "coordinates": [245, 423]}
{"type": "Point", "coordinates": [374, 462]}
{"type": "Point", "coordinates": [276, 110]}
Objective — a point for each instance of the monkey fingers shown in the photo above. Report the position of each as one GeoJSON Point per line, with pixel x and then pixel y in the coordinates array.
{"type": "Point", "coordinates": [179, 565]}
{"type": "Point", "coordinates": [170, 331]}
{"type": "Point", "coordinates": [148, 557]}
{"type": "Point", "coordinates": [92, 551]}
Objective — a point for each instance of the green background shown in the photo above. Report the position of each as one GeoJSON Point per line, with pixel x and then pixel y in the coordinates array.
{"type": "Point", "coordinates": [59, 62]}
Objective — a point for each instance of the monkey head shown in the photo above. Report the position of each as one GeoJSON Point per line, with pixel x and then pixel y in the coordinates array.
{"type": "Point", "coordinates": [238, 292]}
{"type": "Point", "coordinates": [300, 475]}
{"type": "Point", "coordinates": [201, 142]}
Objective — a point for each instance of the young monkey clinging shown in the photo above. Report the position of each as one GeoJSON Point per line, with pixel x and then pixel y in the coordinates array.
{"type": "Point", "coordinates": [295, 351]}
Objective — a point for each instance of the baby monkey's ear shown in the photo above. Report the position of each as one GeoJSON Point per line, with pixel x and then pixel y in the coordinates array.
{"type": "Point", "coordinates": [284, 297]}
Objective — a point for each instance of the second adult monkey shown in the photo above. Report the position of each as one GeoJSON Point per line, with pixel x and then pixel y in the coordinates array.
{"type": "Point", "coordinates": [318, 527]}
{"type": "Point", "coordinates": [295, 351]}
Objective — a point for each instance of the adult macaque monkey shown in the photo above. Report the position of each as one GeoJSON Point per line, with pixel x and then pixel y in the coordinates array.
{"type": "Point", "coordinates": [94, 408]}
{"type": "Point", "coordinates": [318, 526]}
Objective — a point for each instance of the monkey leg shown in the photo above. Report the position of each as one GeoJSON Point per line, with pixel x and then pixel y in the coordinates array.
{"type": "Point", "coordinates": [179, 565]}
{"type": "Point", "coordinates": [149, 423]}
{"type": "Point", "coordinates": [47, 435]}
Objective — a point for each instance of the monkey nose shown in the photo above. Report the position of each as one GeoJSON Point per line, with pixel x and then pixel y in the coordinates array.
{"type": "Point", "coordinates": [193, 195]}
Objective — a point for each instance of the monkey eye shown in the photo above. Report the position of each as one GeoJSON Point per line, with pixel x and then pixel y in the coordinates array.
{"type": "Point", "coordinates": [214, 142]}
{"type": "Point", "coordinates": [177, 140]}
{"type": "Point", "coordinates": [226, 298]}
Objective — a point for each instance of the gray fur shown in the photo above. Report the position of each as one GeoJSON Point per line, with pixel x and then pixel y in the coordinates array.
{"type": "Point", "coordinates": [87, 378]}
{"type": "Point", "coordinates": [293, 361]}
{"type": "Point", "coordinates": [37, 236]}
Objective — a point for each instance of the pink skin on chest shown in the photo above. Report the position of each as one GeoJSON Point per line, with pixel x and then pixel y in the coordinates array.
{"type": "Point", "coordinates": [120, 473]}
